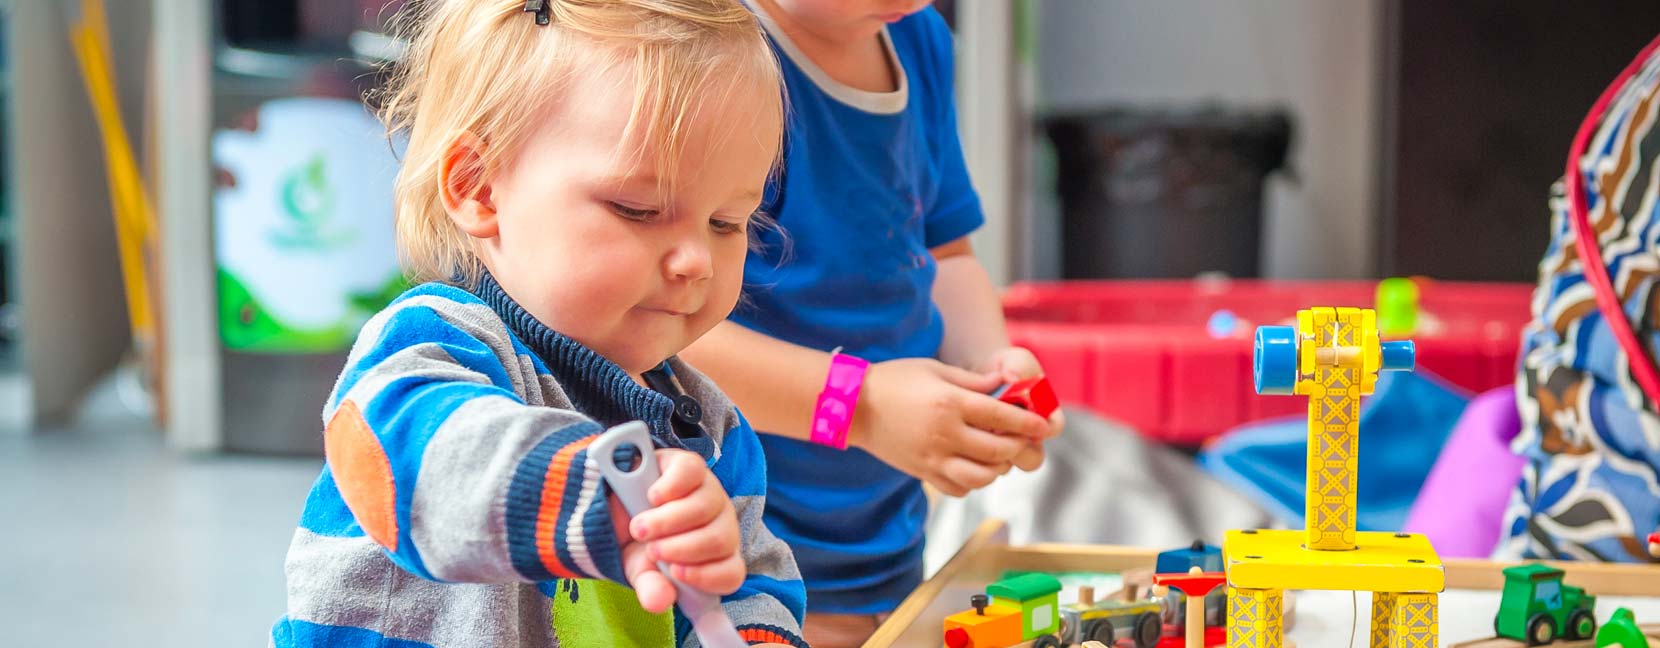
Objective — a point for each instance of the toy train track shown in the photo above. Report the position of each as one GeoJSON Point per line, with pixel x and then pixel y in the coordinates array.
{"type": "Point", "coordinates": [1650, 630]}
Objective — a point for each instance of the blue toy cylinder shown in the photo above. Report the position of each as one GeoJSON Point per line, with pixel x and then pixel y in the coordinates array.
{"type": "Point", "coordinates": [1398, 355]}
{"type": "Point", "coordinates": [1274, 360]}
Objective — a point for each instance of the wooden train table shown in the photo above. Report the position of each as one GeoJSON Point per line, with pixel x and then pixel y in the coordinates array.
{"type": "Point", "coordinates": [1323, 619]}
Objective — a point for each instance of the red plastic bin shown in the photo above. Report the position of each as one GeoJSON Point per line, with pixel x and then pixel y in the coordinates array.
{"type": "Point", "coordinates": [1140, 351]}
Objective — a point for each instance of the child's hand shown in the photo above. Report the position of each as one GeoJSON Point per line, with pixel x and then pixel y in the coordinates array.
{"type": "Point", "coordinates": [691, 529]}
{"type": "Point", "coordinates": [936, 422]}
{"type": "Point", "coordinates": [1014, 364]}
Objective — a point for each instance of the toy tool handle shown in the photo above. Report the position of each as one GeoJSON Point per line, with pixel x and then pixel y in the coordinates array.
{"type": "Point", "coordinates": [626, 460]}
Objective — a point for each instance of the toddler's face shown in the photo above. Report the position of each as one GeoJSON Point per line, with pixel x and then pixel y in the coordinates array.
{"type": "Point", "coordinates": [850, 14]}
{"type": "Point", "coordinates": [592, 248]}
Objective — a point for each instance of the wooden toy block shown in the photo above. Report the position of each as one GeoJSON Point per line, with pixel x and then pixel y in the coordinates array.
{"type": "Point", "coordinates": [1381, 562]}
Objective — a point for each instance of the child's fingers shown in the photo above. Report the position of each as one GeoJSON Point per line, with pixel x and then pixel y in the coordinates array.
{"type": "Point", "coordinates": [986, 447]}
{"type": "Point", "coordinates": [722, 577]}
{"type": "Point", "coordinates": [975, 382]}
{"type": "Point", "coordinates": [1014, 364]}
{"type": "Point", "coordinates": [1022, 363]}
{"type": "Point", "coordinates": [680, 515]}
{"type": "Point", "coordinates": [681, 473]}
{"type": "Point", "coordinates": [953, 484]}
{"type": "Point", "coordinates": [988, 413]}
{"type": "Point", "coordinates": [971, 475]}
{"type": "Point", "coordinates": [1030, 457]}
{"type": "Point", "coordinates": [947, 486]}
{"type": "Point", "coordinates": [714, 541]}
{"type": "Point", "coordinates": [654, 591]}
{"type": "Point", "coordinates": [1057, 423]}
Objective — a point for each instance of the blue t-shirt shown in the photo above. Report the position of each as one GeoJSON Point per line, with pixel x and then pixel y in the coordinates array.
{"type": "Point", "coordinates": [871, 182]}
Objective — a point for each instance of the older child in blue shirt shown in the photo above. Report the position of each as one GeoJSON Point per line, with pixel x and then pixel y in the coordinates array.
{"type": "Point", "coordinates": [874, 205]}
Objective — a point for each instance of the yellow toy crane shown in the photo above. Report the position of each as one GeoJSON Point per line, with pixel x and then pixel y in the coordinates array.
{"type": "Point", "coordinates": [1333, 357]}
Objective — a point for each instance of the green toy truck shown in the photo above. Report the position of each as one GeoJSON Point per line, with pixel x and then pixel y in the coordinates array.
{"type": "Point", "coordinates": [1538, 609]}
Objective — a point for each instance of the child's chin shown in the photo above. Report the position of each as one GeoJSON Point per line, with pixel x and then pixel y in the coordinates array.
{"type": "Point", "coordinates": [643, 356]}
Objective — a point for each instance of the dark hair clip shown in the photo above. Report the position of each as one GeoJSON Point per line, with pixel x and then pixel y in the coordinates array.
{"type": "Point", "coordinates": [540, 8]}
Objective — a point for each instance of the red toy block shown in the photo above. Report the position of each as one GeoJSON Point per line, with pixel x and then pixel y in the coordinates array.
{"type": "Point", "coordinates": [1173, 637]}
{"type": "Point", "coordinates": [1033, 394]}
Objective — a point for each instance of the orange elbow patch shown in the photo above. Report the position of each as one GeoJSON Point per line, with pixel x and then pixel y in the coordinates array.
{"type": "Point", "coordinates": [363, 474]}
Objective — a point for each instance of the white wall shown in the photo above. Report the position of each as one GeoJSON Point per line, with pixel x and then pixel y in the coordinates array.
{"type": "Point", "coordinates": [988, 121]}
{"type": "Point", "coordinates": [1319, 58]}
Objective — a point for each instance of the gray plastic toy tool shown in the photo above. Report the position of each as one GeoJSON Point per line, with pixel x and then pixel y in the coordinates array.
{"type": "Point", "coordinates": [625, 458]}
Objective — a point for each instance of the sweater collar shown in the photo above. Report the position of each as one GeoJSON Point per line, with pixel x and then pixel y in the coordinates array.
{"type": "Point", "coordinates": [596, 386]}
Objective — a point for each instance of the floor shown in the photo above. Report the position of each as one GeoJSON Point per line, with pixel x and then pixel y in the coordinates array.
{"type": "Point", "coordinates": [111, 539]}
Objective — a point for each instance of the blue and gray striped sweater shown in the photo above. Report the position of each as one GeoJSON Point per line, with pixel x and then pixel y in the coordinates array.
{"type": "Point", "coordinates": [458, 491]}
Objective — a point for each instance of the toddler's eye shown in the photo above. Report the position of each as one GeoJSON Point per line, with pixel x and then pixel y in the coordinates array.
{"type": "Point", "coordinates": [630, 213]}
{"type": "Point", "coordinates": [725, 227]}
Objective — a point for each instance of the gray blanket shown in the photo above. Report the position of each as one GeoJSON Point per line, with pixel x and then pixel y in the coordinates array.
{"type": "Point", "coordinates": [1102, 483]}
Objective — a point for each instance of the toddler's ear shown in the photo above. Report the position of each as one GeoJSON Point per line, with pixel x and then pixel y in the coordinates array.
{"type": "Point", "coordinates": [464, 189]}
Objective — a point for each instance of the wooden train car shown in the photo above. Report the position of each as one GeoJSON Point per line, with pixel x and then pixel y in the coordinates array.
{"type": "Point", "coordinates": [1024, 610]}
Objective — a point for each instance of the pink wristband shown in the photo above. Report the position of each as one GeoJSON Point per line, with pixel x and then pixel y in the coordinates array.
{"type": "Point", "coordinates": [833, 413]}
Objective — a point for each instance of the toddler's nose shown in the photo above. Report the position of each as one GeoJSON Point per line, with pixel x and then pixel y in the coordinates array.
{"type": "Point", "coordinates": [689, 261]}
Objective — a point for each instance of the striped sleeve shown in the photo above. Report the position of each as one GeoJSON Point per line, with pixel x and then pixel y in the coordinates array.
{"type": "Point", "coordinates": [769, 606]}
{"type": "Point", "coordinates": [444, 465]}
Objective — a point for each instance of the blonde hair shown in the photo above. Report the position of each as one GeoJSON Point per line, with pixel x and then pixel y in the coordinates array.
{"type": "Point", "coordinates": [486, 67]}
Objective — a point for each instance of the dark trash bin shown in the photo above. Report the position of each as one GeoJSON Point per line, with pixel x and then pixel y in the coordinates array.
{"type": "Point", "coordinates": [1164, 193]}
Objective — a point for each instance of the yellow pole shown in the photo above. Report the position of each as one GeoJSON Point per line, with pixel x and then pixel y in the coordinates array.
{"type": "Point", "coordinates": [134, 219]}
{"type": "Point", "coordinates": [1195, 622]}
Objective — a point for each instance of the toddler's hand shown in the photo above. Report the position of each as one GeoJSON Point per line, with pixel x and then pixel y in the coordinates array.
{"type": "Point", "coordinates": [691, 529]}
{"type": "Point", "coordinates": [936, 422]}
{"type": "Point", "coordinates": [1014, 364]}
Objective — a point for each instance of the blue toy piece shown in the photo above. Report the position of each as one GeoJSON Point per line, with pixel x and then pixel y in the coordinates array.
{"type": "Point", "coordinates": [1274, 361]}
{"type": "Point", "coordinates": [1207, 558]}
{"type": "Point", "coordinates": [1398, 355]}
{"type": "Point", "coordinates": [1222, 324]}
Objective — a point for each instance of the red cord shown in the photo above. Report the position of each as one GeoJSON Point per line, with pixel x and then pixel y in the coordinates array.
{"type": "Point", "coordinates": [1590, 252]}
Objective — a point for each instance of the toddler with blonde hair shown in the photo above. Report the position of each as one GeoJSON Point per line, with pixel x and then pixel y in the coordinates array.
{"type": "Point", "coordinates": [577, 193]}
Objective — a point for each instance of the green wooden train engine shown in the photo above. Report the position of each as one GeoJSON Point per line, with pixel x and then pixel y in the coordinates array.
{"type": "Point", "coordinates": [1024, 610]}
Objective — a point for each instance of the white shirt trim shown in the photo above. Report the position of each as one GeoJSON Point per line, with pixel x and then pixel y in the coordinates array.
{"type": "Point", "coordinates": [880, 103]}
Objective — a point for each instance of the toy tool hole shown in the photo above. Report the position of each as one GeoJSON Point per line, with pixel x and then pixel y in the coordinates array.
{"type": "Point", "coordinates": [626, 457]}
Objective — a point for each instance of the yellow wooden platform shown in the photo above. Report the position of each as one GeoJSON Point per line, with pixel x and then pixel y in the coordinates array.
{"type": "Point", "coordinates": [1380, 562]}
